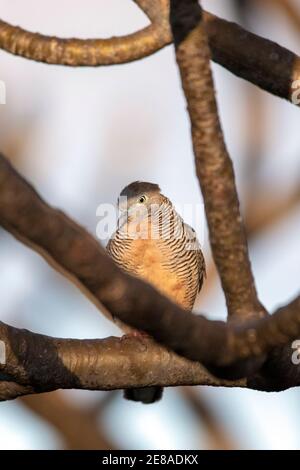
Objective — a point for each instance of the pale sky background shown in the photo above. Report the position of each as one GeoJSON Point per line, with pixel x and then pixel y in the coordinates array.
{"type": "Point", "coordinates": [89, 132]}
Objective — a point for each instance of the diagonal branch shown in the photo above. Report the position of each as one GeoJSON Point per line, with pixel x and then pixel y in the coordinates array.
{"type": "Point", "coordinates": [217, 435]}
{"type": "Point", "coordinates": [289, 9]}
{"type": "Point", "coordinates": [265, 210]}
{"type": "Point", "coordinates": [213, 163]}
{"type": "Point", "coordinates": [223, 348]}
{"type": "Point", "coordinates": [78, 427]}
{"type": "Point", "coordinates": [260, 61]}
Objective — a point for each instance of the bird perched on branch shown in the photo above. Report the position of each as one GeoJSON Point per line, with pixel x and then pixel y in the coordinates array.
{"type": "Point", "coordinates": [153, 243]}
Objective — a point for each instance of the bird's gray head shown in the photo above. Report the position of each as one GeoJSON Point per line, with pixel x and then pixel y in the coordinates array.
{"type": "Point", "coordinates": [140, 193]}
{"type": "Point", "coordinates": [138, 199]}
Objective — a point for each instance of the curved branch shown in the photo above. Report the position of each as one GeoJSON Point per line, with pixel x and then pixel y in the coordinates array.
{"type": "Point", "coordinates": [80, 52]}
{"type": "Point", "coordinates": [88, 52]}
{"type": "Point", "coordinates": [258, 60]}
{"type": "Point", "coordinates": [156, 10]}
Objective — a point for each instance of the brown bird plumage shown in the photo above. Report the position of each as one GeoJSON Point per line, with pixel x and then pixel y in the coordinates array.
{"type": "Point", "coordinates": [152, 242]}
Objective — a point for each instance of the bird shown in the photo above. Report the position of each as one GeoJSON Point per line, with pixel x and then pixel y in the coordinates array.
{"type": "Point", "coordinates": [153, 243]}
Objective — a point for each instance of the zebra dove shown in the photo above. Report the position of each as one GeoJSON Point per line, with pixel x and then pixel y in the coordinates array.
{"type": "Point", "coordinates": [153, 243]}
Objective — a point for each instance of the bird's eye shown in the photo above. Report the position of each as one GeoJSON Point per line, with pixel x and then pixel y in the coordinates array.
{"type": "Point", "coordinates": [142, 199]}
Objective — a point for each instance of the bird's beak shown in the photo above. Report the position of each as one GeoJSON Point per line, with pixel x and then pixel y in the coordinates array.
{"type": "Point", "coordinates": [130, 214]}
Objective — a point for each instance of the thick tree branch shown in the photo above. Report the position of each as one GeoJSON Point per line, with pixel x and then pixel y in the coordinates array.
{"type": "Point", "coordinates": [213, 163]}
{"type": "Point", "coordinates": [258, 60]}
{"type": "Point", "coordinates": [38, 363]}
{"type": "Point", "coordinates": [221, 347]}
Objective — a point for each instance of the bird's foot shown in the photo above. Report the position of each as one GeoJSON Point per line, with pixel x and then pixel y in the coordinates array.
{"type": "Point", "coordinates": [134, 334]}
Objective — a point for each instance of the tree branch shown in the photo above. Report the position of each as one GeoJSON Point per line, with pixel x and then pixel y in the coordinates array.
{"type": "Point", "coordinates": [37, 363]}
{"type": "Point", "coordinates": [289, 9]}
{"type": "Point", "coordinates": [217, 435]}
{"type": "Point", "coordinates": [260, 61]}
{"type": "Point", "coordinates": [213, 164]}
{"type": "Point", "coordinates": [223, 348]}
{"type": "Point", "coordinates": [79, 428]}
{"type": "Point", "coordinates": [88, 52]}
{"type": "Point", "coordinates": [265, 210]}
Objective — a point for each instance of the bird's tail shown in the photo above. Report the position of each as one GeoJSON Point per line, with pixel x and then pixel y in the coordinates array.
{"type": "Point", "coordinates": [144, 395]}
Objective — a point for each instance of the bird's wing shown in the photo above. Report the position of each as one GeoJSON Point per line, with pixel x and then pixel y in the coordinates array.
{"type": "Point", "coordinates": [194, 245]}
{"type": "Point", "coordinates": [119, 250]}
{"type": "Point", "coordinates": [109, 244]}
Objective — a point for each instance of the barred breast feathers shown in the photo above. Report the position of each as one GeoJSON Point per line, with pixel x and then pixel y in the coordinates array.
{"type": "Point", "coordinates": [173, 249]}
{"type": "Point", "coordinates": [184, 253]}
